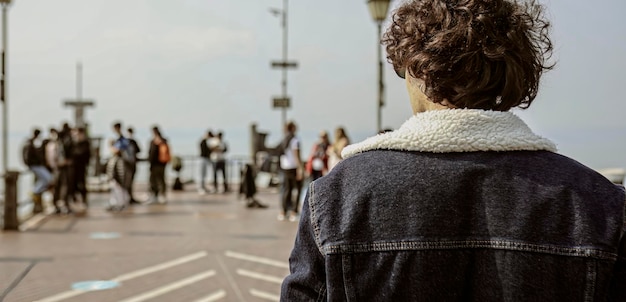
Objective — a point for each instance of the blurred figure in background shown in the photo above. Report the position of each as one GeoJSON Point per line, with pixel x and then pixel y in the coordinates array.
{"type": "Point", "coordinates": [81, 154]}
{"type": "Point", "coordinates": [33, 155]}
{"type": "Point", "coordinates": [218, 148]}
{"type": "Point", "coordinates": [116, 174]}
{"type": "Point", "coordinates": [131, 159]}
{"type": "Point", "coordinates": [51, 144]}
{"type": "Point", "coordinates": [317, 163]}
{"type": "Point", "coordinates": [291, 167]}
{"type": "Point", "coordinates": [158, 156]}
{"type": "Point", "coordinates": [334, 150]}
{"type": "Point", "coordinates": [205, 161]}
{"type": "Point", "coordinates": [64, 187]}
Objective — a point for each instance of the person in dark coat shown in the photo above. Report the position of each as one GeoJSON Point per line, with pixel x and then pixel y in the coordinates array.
{"type": "Point", "coordinates": [158, 157]}
{"type": "Point", "coordinates": [81, 154]}
{"type": "Point", "coordinates": [463, 202]}
{"type": "Point", "coordinates": [131, 164]}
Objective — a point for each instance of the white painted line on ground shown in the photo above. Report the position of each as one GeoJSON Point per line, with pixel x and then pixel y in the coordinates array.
{"type": "Point", "coordinates": [256, 259]}
{"type": "Point", "coordinates": [259, 276]}
{"type": "Point", "coordinates": [159, 267]}
{"type": "Point", "coordinates": [264, 295]}
{"type": "Point", "coordinates": [32, 222]}
{"type": "Point", "coordinates": [62, 296]}
{"type": "Point", "coordinates": [73, 293]}
{"type": "Point", "coordinates": [213, 297]}
{"type": "Point", "coordinates": [230, 279]}
{"type": "Point", "coordinates": [170, 287]}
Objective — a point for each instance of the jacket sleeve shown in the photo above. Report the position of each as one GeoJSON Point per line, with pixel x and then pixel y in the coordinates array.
{"type": "Point", "coordinates": [617, 289]}
{"type": "Point", "coordinates": [307, 278]}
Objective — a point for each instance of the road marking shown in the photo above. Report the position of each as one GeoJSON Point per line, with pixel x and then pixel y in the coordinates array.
{"type": "Point", "coordinates": [260, 276]}
{"type": "Point", "coordinates": [32, 222]}
{"type": "Point", "coordinates": [264, 295]}
{"type": "Point", "coordinates": [213, 297]}
{"type": "Point", "coordinates": [159, 267]}
{"type": "Point", "coordinates": [73, 293]}
{"type": "Point", "coordinates": [170, 287]}
{"type": "Point", "coordinates": [230, 279]}
{"type": "Point", "coordinates": [17, 281]}
{"type": "Point", "coordinates": [256, 259]}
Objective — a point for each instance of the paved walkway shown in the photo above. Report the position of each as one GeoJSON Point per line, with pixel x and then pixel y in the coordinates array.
{"type": "Point", "coordinates": [194, 248]}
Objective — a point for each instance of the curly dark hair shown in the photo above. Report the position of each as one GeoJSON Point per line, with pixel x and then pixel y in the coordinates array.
{"type": "Point", "coordinates": [477, 54]}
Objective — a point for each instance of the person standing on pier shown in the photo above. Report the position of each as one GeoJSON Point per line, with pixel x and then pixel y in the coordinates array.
{"type": "Point", "coordinates": [218, 148]}
{"type": "Point", "coordinates": [291, 167]}
{"type": "Point", "coordinates": [34, 157]}
{"type": "Point", "coordinates": [64, 187]}
{"type": "Point", "coordinates": [464, 202]}
{"type": "Point", "coordinates": [81, 154]}
{"type": "Point", "coordinates": [158, 156]}
{"type": "Point", "coordinates": [205, 161]}
{"type": "Point", "coordinates": [131, 164]}
{"type": "Point", "coordinates": [116, 171]}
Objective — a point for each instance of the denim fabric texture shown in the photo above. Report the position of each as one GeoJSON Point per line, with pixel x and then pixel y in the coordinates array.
{"type": "Point", "coordinates": [391, 225]}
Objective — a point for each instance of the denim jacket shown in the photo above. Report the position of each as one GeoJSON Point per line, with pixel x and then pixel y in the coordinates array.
{"type": "Point", "coordinates": [459, 205]}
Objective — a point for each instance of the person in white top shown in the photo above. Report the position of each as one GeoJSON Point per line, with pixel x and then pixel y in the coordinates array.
{"type": "Point", "coordinates": [291, 166]}
{"type": "Point", "coordinates": [218, 147]}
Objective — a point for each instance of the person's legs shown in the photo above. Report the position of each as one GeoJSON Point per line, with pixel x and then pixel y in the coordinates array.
{"type": "Point", "coordinates": [296, 201]}
{"type": "Point", "coordinates": [80, 185]}
{"type": "Point", "coordinates": [161, 182]}
{"type": "Point", "coordinates": [224, 180]}
{"type": "Point", "coordinates": [154, 187]}
{"type": "Point", "coordinates": [43, 179]}
{"type": "Point", "coordinates": [70, 187]}
{"type": "Point", "coordinates": [289, 179]}
{"type": "Point", "coordinates": [216, 166]}
{"type": "Point", "coordinates": [119, 196]}
{"type": "Point", "coordinates": [204, 162]}
{"type": "Point", "coordinates": [130, 180]}
{"type": "Point", "coordinates": [60, 190]}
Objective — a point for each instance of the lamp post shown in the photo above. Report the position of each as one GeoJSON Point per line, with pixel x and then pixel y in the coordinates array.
{"type": "Point", "coordinates": [283, 101]}
{"type": "Point", "coordinates": [378, 10]}
{"type": "Point", "coordinates": [3, 84]}
{"type": "Point", "coordinates": [11, 222]}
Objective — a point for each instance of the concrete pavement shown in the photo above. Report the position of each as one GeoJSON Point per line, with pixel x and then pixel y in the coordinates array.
{"type": "Point", "coordinates": [194, 248]}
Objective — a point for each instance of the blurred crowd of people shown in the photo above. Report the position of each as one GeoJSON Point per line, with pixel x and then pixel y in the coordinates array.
{"type": "Point", "coordinates": [322, 158]}
{"type": "Point", "coordinates": [59, 162]}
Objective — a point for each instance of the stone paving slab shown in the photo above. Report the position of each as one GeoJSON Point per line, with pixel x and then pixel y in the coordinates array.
{"type": "Point", "coordinates": [194, 248]}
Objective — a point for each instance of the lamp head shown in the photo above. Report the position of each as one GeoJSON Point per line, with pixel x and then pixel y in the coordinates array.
{"type": "Point", "coordinates": [378, 9]}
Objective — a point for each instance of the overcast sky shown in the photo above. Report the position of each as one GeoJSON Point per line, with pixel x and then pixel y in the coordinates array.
{"type": "Point", "coordinates": [191, 65]}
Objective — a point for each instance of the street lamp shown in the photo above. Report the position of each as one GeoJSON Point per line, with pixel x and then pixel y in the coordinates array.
{"type": "Point", "coordinates": [283, 102]}
{"type": "Point", "coordinates": [378, 10]}
{"type": "Point", "coordinates": [3, 84]}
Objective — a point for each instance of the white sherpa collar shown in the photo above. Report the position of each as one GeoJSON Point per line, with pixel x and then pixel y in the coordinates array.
{"type": "Point", "coordinates": [457, 130]}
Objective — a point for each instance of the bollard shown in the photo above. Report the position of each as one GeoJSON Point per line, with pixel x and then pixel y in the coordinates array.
{"type": "Point", "coordinates": [11, 222]}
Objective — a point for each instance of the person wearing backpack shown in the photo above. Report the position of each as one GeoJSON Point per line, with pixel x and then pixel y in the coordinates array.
{"type": "Point", "coordinates": [131, 164]}
{"type": "Point", "coordinates": [205, 158]}
{"type": "Point", "coordinates": [158, 156]}
{"type": "Point", "coordinates": [34, 158]}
